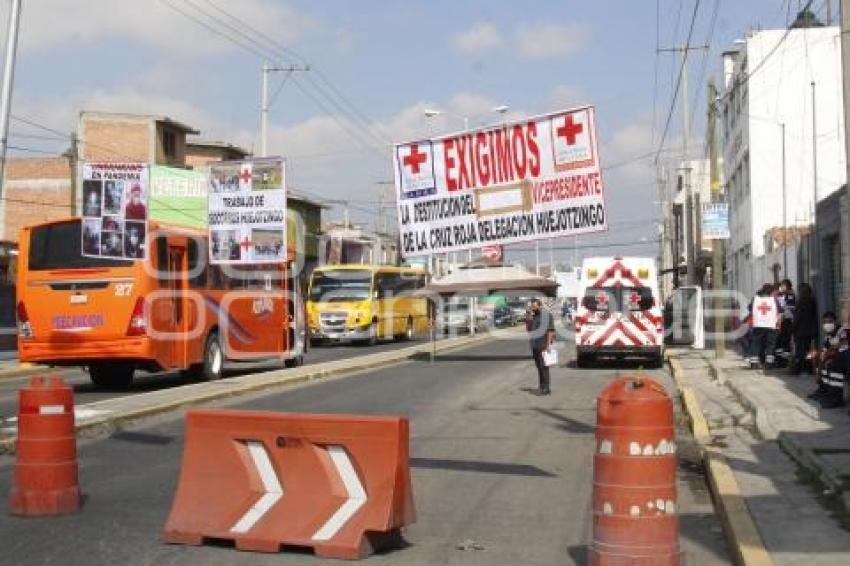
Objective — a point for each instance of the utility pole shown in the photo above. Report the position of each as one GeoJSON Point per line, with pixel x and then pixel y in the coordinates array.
{"type": "Point", "coordinates": [815, 262]}
{"type": "Point", "coordinates": [8, 79]}
{"type": "Point", "coordinates": [844, 16]}
{"type": "Point", "coordinates": [784, 209]}
{"type": "Point", "coordinates": [73, 160]}
{"type": "Point", "coordinates": [690, 243]}
{"type": "Point", "coordinates": [716, 244]}
{"type": "Point", "coordinates": [265, 103]}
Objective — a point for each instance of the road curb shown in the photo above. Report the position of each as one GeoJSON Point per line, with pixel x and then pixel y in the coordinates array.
{"type": "Point", "coordinates": [802, 455]}
{"type": "Point", "coordinates": [24, 370]}
{"type": "Point", "coordinates": [738, 524]}
{"type": "Point", "coordinates": [258, 382]}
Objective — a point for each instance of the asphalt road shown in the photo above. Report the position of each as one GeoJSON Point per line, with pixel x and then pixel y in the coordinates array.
{"type": "Point", "coordinates": [85, 392]}
{"type": "Point", "coordinates": [500, 476]}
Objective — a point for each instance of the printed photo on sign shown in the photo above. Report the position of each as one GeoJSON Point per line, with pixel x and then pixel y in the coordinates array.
{"type": "Point", "coordinates": [135, 198]}
{"type": "Point", "coordinates": [572, 144]}
{"type": "Point", "coordinates": [268, 244]}
{"type": "Point", "coordinates": [92, 198]}
{"type": "Point", "coordinates": [225, 179]}
{"type": "Point", "coordinates": [416, 169]}
{"type": "Point", "coordinates": [134, 239]}
{"type": "Point", "coordinates": [112, 224]}
{"type": "Point", "coordinates": [113, 195]}
{"type": "Point", "coordinates": [266, 176]}
{"type": "Point", "coordinates": [112, 244]}
{"type": "Point", "coordinates": [225, 245]}
{"type": "Point", "coordinates": [91, 236]}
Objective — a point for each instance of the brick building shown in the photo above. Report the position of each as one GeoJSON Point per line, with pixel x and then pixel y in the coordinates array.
{"type": "Point", "coordinates": [200, 153]}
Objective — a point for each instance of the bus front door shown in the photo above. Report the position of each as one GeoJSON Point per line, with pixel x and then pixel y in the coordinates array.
{"type": "Point", "coordinates": [177, 298]}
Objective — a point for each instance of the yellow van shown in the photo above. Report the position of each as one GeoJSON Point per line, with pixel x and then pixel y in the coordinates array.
{"type": "Point", "coordinates": [365, 303]}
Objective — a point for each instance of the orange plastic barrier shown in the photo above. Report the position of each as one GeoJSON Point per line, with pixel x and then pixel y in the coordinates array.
{"type": "Point", "coordinates": [634, 476]}
{"type": "Point", "coordinates": [337, 483]}
{"type": "Point", "coordinates": [45, 480]}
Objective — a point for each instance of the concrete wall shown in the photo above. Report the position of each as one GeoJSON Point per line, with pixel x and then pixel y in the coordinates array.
{"type": "Point", "coordinates": [37, 189]}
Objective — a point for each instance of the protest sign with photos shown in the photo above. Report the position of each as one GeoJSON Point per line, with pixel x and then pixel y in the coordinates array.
{"type": "Point", "coordinates": [247, 211]}
{"type": "Point", "coordinates": [115, 210]}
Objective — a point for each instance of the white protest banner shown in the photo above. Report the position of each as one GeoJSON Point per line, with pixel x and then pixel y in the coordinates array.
{"type": "Point", "coordinates": [247, 211]}
{"type": "Point", "coordinates": [534, 179]}
{"type": "Point", "coordinates": [115, 210]}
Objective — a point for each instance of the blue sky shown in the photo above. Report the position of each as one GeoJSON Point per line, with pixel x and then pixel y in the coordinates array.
{"type": "Point", "coordinates": [390, 60]}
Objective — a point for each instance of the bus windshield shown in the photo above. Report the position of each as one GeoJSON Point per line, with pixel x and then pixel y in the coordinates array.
{"type": "Point", "coordinates": [341, 285]}
{"type": "Point", "coordinates": [58, 246]}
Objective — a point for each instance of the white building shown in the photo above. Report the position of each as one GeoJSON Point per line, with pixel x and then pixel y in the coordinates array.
{"type": "Point", "coordinates": [768, 85]}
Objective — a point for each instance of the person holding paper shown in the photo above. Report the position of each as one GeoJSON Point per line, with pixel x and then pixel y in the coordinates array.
{"type": "Point", "coordinates": [541, 329]}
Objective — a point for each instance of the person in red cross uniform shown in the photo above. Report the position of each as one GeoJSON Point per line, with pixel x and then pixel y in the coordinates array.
{"type": "Point", "coordinates": [765, 316]}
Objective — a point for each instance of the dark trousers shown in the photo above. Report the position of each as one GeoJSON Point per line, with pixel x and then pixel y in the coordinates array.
{"type": "Point", "coordinates": [783, 340]}
{"type": "Point", "coordinates": [802, 346]}
{"type": "Point", "coordinates": [762, 345]}
{"type": "Point", "coordinates": [542, 369]}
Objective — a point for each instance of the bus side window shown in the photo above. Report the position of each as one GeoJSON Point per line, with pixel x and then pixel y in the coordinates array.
{"type": "Point", "coordinates": [198, 265]}
{"type": "Point", "coordinates": [161, 247]}
{"type": "Point", "coordinates": [216, 277]}
{"type": "Point", "coordinates": [386, 284]}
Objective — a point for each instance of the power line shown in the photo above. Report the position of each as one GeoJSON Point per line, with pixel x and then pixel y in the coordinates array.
{"type": "Point", "coordinates": [294, 54]}
{"type": "Point", "coordinates": [761, 63]}
{"type": "Point", "coordinates": [678, 80]}
{"type": "Point", "coordinates": [268, 50]}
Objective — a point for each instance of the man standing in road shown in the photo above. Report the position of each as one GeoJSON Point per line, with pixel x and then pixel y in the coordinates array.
{"type": "Point", "coordinates": [541, 329]}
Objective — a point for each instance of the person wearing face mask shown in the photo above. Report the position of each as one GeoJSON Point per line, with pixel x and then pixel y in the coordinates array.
{"type": "Point", "coordinates": [541, 329]}
{"type": "Point", "coordinates": [831, 363]}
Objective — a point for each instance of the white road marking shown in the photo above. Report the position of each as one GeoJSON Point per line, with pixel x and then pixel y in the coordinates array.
{"type": "Point", "coordinates": [271, 485]}
{"type": "Point", "coordinates": [356, 494]}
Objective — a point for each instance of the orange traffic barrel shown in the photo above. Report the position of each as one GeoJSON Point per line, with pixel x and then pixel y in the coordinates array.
{"type": "Point", "coordinates": [634, 476]}
{"type": "Point", "coordinates": [45, 479]}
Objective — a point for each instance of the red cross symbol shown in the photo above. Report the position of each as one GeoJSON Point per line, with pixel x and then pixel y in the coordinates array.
{"type": "Point", "coordinates": [602, 298]}
{"type": "Point", "coordinates": [246, 243]}
{"type": "Point", "coordinates": [634, 298]}
{"type": "Point", "coordinates": [414, 159]}
{"type": "Point", "coordinates": [764, 309]}
{"type": "Point", "coordinates": [569, 130]}
{"type": "Point", "coordinates": [245, 176]}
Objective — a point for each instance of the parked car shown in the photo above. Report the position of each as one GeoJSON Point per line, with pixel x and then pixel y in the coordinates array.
{"type": "Point", "coordinates": [455, 318]}
{"type": "Point", "coordinates": [502, 317]}
{"type": "Point", "coordinates": [519, 310]}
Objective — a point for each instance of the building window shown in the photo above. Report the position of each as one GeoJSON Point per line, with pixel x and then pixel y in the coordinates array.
{"type": "Point", "coordinates": [169, 144]}
{"type": "Point", "coordinates": [832, 255]}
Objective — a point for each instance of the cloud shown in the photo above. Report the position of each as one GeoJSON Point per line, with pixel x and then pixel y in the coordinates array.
{"type": "Point", "coordinates": [567, 96]}
{"type": "Point", "coordinates": [52, 23]}
{"type": "Point", "coordinates": [550, 40]}
{"type": "Point", "coordinates": [480, 37]}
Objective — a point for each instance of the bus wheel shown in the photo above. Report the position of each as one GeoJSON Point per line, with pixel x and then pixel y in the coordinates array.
{"type": "Point", "coordinates": [115, 375]}
{"type": "Point", "coordinates": [213, 358]}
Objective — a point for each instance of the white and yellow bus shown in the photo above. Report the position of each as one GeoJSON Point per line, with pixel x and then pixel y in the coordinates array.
{"type": "Point", "coordinates": [365, 303]}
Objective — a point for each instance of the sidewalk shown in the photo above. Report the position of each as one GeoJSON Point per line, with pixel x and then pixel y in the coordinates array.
{"type": "Point", "coordinates": [790, 458]}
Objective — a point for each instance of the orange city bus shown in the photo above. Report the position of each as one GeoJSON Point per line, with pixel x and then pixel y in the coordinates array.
{"type": "Point", "coordinates": [170, 311]}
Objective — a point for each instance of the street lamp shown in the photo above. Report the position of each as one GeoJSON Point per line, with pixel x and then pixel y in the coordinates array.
{"type": "Point", "coordinates": [433, 113]}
